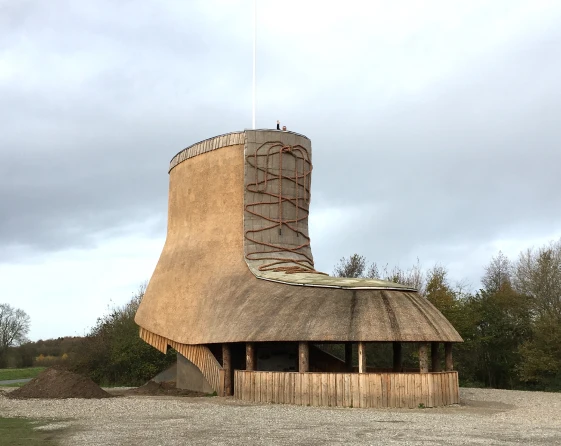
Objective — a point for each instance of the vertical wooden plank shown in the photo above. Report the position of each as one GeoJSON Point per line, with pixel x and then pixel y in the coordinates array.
{"type": "Point", "coordinates": [363, 389]}
{"type": "Point", "coordinates": [445, 386]}
{"type": "Point", "coordinates": [303, 389]}
{"type": "Point", "coordinates": [410, 391]}
{"type": "Point", "coordinates": [397, 389]}
{"type": "Point", "coordinates": [430, 390]}
{"type": "Point", "coordinates": [298, 389]}
{"type": "Point", "coordinates": [339, 386]}
{"type": "Point", "coordinates": [355, 401]}
{"type": "Point", "coordinates": [267, 390]}
{"type": "Point", "coordinates": [417, 384]}
{"type": "Point", "coordinates": [291, 387]}
{"type": "Point", "coordinates": [317, 388]}
{"type": "Point", "coordinates": [393, 389]}
{"type": "Point", "coordinates": [383, 391]}
{"type": "Point", "coordinates": [452, 384]}
{"type": "Point", "coordinates": [346, 390]}
{"type": "Point", "coordinates": [323, 379]}
{"type": "Point", "coordinates": [287, 382]}
{"type": "Point", "coordinates": [275, 386]}
{"type": "Point", "coordinates": [332, 390]}
{"type": "Point", "coordinates": [256, 387]}
{"type": "Point", "coordinates": [427, 389]}
{"type": "Point", "coordinates": [402, 389]}
{"type": "Point", "coordinates": [280, 383]}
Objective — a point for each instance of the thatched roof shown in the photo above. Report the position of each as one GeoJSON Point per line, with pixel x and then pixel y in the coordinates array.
{"type": "Point", "coordinates": [214, 281]}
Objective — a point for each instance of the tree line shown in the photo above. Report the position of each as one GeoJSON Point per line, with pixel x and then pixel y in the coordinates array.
{"type": "Point", "coordinates": [511, 325]}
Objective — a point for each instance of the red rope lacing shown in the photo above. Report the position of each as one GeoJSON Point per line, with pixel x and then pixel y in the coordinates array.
{"type": "Point", "coordinates": [300, 262]}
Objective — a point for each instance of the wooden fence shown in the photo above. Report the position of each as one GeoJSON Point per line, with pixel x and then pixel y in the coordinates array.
{"type": "Point", "coordinates": [199, 355]}
{"type": "Point", "coordinates": [376, 390]}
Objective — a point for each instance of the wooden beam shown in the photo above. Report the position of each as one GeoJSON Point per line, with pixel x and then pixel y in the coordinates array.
{"type": "Point", "coordinates": [349, 356]}
{"type": "Point", "coordinates": [227, 365]}
{"type": "Point", "coordinates": [423, 357]}
{"type": "Point", "coordinates": [250, 363]}
{"type": "Point", "coordinates": [303, 357]}
{"type": "Point", "coordinates": [361, 357]}
{"type": "Point", "coordinates": [448, 356]}
{"type": "Point", "coordinates": [397, 357]}
{"type": "Point", "coordinates": [435, 357]}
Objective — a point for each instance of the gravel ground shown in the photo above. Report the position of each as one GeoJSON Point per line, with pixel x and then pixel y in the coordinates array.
{"type": "Point", "coordinates": [485, 417]}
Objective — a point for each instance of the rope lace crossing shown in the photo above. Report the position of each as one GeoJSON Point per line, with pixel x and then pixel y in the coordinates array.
{"type": "Point", "coordinates": [295, 259]}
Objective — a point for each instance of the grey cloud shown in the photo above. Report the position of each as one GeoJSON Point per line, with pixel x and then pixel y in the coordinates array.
{"type": "Point", "coordinates": [461, 160]}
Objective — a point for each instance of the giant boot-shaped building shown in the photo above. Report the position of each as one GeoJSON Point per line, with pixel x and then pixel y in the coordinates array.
{"type": "Point", "coordinates": [235, 287]}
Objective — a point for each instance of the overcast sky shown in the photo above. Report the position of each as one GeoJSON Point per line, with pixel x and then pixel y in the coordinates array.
{"type": "Point", "coordinates": [436, 131]}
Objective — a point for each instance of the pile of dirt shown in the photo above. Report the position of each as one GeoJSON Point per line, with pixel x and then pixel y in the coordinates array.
{"type": "Point", "coordinates": [163, 388]}
{"type": "Point", "coordinates": [56, 382]}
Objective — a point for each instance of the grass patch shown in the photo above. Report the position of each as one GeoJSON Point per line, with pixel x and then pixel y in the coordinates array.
{"type": "Point", "coordinates": [24, 432]}
{"type": "Point", "coordinates": [30, 372]}
{"type": "Point", "coordinates": [13, 385]}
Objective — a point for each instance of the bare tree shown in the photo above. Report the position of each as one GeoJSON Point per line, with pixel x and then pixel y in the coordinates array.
{"type": "Point", "coordinates": [14, 327]}
{"type": "Point", "coordinates": [538, 275]}
{"type": "Point", "coordinates": [497, 274]}
{"type": "Point", "coordinates": [413, 277]}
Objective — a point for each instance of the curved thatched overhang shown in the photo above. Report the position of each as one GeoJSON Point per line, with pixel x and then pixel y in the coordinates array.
{"type": "Point", "coordinates": [205, 289]}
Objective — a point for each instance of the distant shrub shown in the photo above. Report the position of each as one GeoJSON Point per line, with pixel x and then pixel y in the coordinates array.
{"type": "Point", "coordinates": [50, 360]}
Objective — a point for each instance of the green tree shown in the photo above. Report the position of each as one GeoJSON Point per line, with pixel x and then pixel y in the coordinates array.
{"type": "Point", "coordinates": [538, 276]}
{"type": "Point", "coordinates": [113, 352]}
{"type": "Point", "coordinates": [352, 266]}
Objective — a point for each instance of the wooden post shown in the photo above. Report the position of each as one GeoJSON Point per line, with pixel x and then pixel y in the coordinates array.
{"type": "Point", "coordinates": [361, 357]}
{"type": "Point", "coordinates": [423, 357]}
{"type": "Point", "coordinates": [250, 356]}
{"type": "Point", "coordinates": [349, 356]}
{"type": "Point", "coordinates": [435, 357]}
{"type": "Point", "coordinates": [397, 357]}
{"type": "Point", "coordinates": [448, 356]}
{"type": "Point", "coordinates": [303, 357]}
{"type": "Point", "coordinates": [227, 365]}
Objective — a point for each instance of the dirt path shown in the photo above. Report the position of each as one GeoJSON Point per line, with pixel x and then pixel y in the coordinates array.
{"type": "Point", "coordinates": [486, 417]}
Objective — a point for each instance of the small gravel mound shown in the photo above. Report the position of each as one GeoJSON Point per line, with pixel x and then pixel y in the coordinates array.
{"type": "Point", "coordinates": [163, 388]}
{"type": "Point", "coordinates": [58, 383]}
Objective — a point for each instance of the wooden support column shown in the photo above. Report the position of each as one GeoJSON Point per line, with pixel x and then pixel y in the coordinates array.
{"type": "Point", "coordinates": [435, 357]}
{"type": "Point", "coordinates": [397, 357]}
{"type": "Point", "coordinates": [250, 356]}
{"type": "Point", "coordinates": [448, 356]}
{"type": "Point", "coordinates": [361, 357]}
{"type": "Point", "coordinates": [227, 365]}
{"type": "Point", "coordinates": [349, 356]}
{"type": "Point", "coordinates": [423, 357]}
{"type": "Point", "coordinates": [303, 357]}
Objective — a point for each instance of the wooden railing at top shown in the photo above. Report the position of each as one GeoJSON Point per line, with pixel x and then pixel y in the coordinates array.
{"type": "Point", "coordinates": [199, 355]}
{"type": "Point", "coordinates": [375, 390]}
